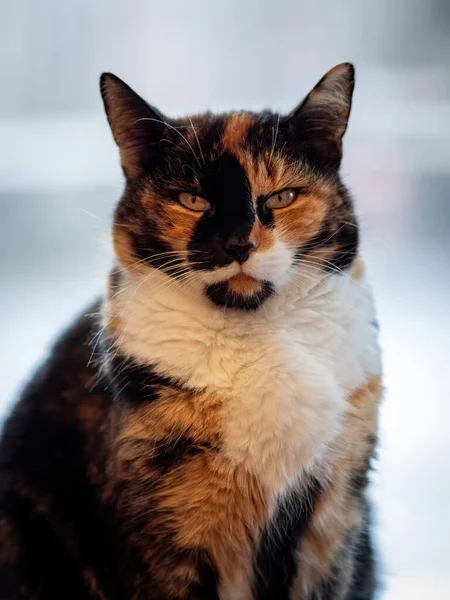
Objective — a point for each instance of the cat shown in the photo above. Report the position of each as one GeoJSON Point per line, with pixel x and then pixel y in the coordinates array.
{"type": "Point", "coordinates": [206, 430]}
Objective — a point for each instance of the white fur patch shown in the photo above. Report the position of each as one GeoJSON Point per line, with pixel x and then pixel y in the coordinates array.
{"type": "Point", "coordinates": [272, 265]}
{"type": "Point", "coordinates": [284, 371]}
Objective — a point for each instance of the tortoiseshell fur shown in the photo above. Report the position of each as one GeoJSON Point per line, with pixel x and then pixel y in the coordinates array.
{"type": "Point", "coordinates": [207, 429]}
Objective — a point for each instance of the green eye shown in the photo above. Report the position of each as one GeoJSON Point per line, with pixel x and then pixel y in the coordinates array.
{"type": "Point", "coordinates": [281, 199]}
{"type": "Point", "coordinates": [193, 202]}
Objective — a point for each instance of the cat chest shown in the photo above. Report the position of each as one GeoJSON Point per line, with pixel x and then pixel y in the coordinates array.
{"type": "Point", "coordinates": [283, 389]}
{"type": "Point", "coordinates": [281, 407]}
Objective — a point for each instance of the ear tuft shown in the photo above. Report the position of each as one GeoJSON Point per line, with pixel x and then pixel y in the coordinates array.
{"type": "Point", "coordinates": [323, 115]}
{"type": "Point", "coordinates": [135, 125]}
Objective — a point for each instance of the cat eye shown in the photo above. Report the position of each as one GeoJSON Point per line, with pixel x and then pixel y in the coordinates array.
{"type": "Point", "coordinates": [281, 199]}
{"type": "Point", "coordinates": [193, 202]}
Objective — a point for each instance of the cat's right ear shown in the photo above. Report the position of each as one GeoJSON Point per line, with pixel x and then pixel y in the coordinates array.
{"type": "Point", "coordinates": [136, 126]}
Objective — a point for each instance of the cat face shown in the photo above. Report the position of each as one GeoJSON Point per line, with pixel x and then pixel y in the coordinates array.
{"type": "Point", "coordinates": [237, 204]}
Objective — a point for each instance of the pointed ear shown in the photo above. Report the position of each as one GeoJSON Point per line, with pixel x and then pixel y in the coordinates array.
{"type": "Point", "coordinates": [136, 126]}
{"type": "Point", "coordinates": [321, 119]}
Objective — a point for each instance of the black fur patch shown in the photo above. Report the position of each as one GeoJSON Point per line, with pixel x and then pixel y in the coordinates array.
{"type": "Point", "coordinates": [227, 188]}
{"type": "Point", "coordinates": [136, 383]}
{"type": "Point", "coordinates": [343, 237]}
{"type": "Point", "coordinates": [347, 241]}
{"type": "Point", "coordinates": [276, 560]}
{"type": "Point", "coordinates": [172, 452]}
{"type": "Point", "coordinates": [364, 581]}
{"type": "Point", "coordinates": [220, 294]}
{"type": "Point", "coordinates": [47, 568]}
{"type": "Point", "coordinates": [207, 588]}
{"type": "Point", "coordinates": [55, 513]}
{"type": "Point", "coordinates": [265, 214]}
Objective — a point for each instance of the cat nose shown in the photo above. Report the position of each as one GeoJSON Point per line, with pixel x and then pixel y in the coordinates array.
{"type": "Point", "coordinates": [240, 248]}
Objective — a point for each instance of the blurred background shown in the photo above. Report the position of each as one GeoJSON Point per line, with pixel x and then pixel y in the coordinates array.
{"type": "Point", "coordinates": [60, 179]}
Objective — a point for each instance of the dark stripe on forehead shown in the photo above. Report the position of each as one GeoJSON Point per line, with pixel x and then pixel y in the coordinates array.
{"type": "Point", "coordinates": [276, 560]}
{"type": "Point", "coordinates": [227, 187]}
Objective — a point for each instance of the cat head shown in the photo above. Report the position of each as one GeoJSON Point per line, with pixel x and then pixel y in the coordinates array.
{"type": "Point", "coordinates": [239, 203]}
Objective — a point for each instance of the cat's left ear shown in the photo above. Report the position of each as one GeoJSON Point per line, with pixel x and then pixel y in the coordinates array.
{"type": "Point", "coordinates": [320, 121]}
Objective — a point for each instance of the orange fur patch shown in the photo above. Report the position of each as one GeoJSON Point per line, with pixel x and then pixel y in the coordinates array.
{"type": "Point", "coordinates": [236, 131]}
{"type": "Point", "coordinates": [244, 285]}
{"type": "Point", "coordinates": [176, 411]}
{"type": "Point", "coordinates": [231, 506]}
{"type": "Point", "coordinates": [123, 247]}
{"type": "Point", "coordinates": [358, 269]}
{"type": "Point", "coordinates": [303, 219]}
{"type": "Point", "coordinates": [179, 226]}
{"type": "Point", "coordinates": [263, 237]}
{"type": "Point", "coordinates": [213, 507]}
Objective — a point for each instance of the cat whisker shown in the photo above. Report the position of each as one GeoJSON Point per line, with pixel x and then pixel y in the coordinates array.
{"type": "Point", "coordinates": [332, 270]}
{"type": "Point", "coordinates": [198, 142]}
{"type": "Point", "coordinates": [330, 266]}
{"type": "Point", "coordinates": [147, 260]}
{"type": "Point", "coordinates": [311, 246]}
{"type": "Point", "coordinates": [186, 166]}
{"type": "Point", "coordinates": [274, 139]}
{"type": "Point", "coordinates": [154, 271]}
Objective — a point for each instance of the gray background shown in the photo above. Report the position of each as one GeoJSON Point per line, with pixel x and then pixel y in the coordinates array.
{"type": "Point", "coordinates": [59, 180]}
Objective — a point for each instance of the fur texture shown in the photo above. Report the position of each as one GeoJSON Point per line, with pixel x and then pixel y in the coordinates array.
{"type": "Point", "coordinates": [208, 432]}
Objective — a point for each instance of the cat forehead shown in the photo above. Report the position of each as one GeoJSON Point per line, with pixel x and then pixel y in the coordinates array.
{"type": "Point", "coordinates": [256, 151]}
{"type": "Point", "coordinates": [228, 131]}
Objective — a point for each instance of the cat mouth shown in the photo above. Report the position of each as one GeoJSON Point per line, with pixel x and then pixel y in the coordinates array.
{"type": "Point", "coordinates": [237, 288]}
{"type": "Point", "coordinates": [240, 291]}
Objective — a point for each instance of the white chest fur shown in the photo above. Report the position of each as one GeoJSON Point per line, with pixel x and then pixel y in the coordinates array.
{"type": "Point", "coordinates": [284, 372]}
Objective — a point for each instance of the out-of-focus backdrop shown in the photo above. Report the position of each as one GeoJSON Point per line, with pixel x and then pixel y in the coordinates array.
{"type": "Point", "coordinates": [60, 179]}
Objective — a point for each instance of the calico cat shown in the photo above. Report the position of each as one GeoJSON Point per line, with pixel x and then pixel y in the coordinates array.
{"type": "Point", "coordinates": [206, 431]}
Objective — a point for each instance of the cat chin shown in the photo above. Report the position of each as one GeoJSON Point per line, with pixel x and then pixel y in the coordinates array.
{"type": "Point", "coordinates": [240, 293]}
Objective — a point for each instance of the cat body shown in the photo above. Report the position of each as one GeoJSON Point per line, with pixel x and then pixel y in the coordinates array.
{"type": "Point", "coordinates": [207, 433]}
